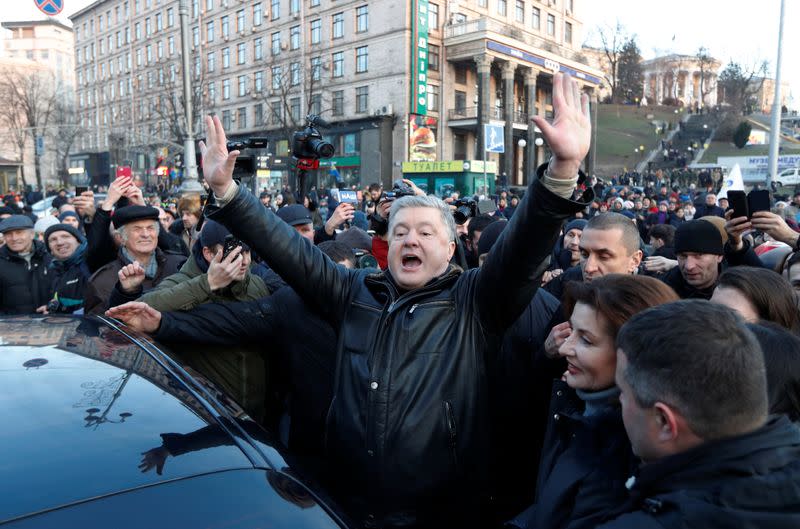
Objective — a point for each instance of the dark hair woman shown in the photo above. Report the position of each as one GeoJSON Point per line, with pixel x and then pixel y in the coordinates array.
{"type": "Point", "coordinates": [587, 456]}
{"type": "Point", "coordinates": [758, 294]}
{"type": "Point", "coordinates": [782, 360]}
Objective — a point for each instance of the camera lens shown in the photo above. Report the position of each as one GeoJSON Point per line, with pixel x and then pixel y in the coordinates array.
{"type": "Point", "coordinates": [322, 148]}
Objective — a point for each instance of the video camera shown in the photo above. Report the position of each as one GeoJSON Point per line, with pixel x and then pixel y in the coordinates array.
{"type": "Point", "coordinates": [399, 189]}
{"type": "Point", "coordinates": [466, 208]}
{"type": "Point", "coordinates": [308, 143]}
{"type": "Point", "coordinates": [245, 165]}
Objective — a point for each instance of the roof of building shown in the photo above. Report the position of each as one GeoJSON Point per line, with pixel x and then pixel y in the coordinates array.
{"type": "Point", "coordinates": [86, 9]}
{"type": "Point", "coordinates": [26, 23]}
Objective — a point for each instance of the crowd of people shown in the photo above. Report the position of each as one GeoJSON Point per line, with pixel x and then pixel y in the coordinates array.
{"type": "Point", "coordinates": [587, 355]}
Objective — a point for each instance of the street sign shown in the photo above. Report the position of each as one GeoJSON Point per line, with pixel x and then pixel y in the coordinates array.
{"type": "Point", "coordinates": [39, 145]}
{"type": "Point", "coordinates": [493, 138]}
{"type": "Point", "coordinates": [50, 7]}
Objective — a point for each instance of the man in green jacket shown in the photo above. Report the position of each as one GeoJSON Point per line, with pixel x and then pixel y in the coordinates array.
{"type": "Point", "coordinates": [205, 278]}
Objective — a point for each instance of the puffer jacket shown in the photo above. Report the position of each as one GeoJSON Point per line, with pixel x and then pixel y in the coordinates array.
{"type": "Point", "coordinates": [409, 420]}
{"type": "Point", "coordinates": [24, 287]}
{"type": "Point", "coordinates": [749, 481]}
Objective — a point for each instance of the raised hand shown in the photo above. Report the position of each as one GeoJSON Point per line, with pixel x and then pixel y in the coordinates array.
{"type": "Point", "coordinates": [137, 315]}
{"type": "Point", "coordinates": [217, 161]}
{"type": "Point", "coordinates": [570, 133]}
{"type": "Point", "coordinates": [155, 457]}
{"type": "Point", "coordinates": [116, 190]}
{"type": "Point", "coordinates": [131, 277]}
{"type": "Point", "coordinates": [223, 272]}
{"type": "Point", "coordinates": [774, 226]}
{"type": "Point", "coordinates": [344, 212]}
{"type": "Point", "coordinates": [84, 204]}
{"type": "Point", "coordinates": [134, 195]}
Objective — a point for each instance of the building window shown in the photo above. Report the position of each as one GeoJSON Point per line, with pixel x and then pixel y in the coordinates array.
{"type": "Point", "coordinates": [148, 27]}
{"type": "Point", "coordinates": [276, 43]}
{"type": "Point", "coordinates": [337, 103]}
{"type": "Point", "coordinates": [258, 114]}
{"type": "Point", "coordinates": [294, 73]}
{"type": "Point", "coordinates": [240, 20]}
{"type": "Point", "coordinates": [433, 57]}
{"type": "Point", "coordinates": [338, 64]}
{"type": "Point", "coordinates": [294, 37]}
{"type": "Point", "coordinates": [551, 25]}
{"type": "Point", "coordinates": [568, 32]}
{"type": "Point", "coordinates": [226, 119]}
{"type": "Point", "coordinates": [502, 7]}
{"type": "Point", "coordinates": [226, 89]}
{"type": "Point", "coordinates": [316, 66]}
{"type": "Point", "coordinates": [433, 98]}
{"type": "Point", "coordinates": [242, 85]}
{"type": "Point", "coordinates": [316, 31]}
{"type": "Point", "coordinates": [275, 9]}
{"type": "Point", "coordinates": [276, 109]}
{"type": "Point", "coordinates": [315, 104]}
{"type": "Point", "coordinates": [210, 31]}
{"type": "Point", "coordinates": [314, 3]}
{"type": "Point", "coordinates": [211, 61]}
{"type": "Point", "coordinates": [362, 59]}
{"type": "Point", "coordinates": [294, 6]}
{"type": "Point", "coordinates": [242, 117]}
{"type": "Point", "coordinates": [226, 57]}
{"type": "Point", "coordinates": [209, 5]}
{"type": "Point", "coordinates": [460, 100]}
{"type": "Point", "coordinates": [159, 22]}
{"type": "Point", "coordinates": [294, 108]}
{"type": "Point", "coordinates": [258, 14]}
{"type": "Point", "coordinates": [258, 49]}
{"type": "Point", "coordinates": [171, 45]}
{"type": "Point", "coordinates": [433, 16]}
{"type": "Point", "coordinates": [258, 82]}
{"type": "Point", "coordinates": [226, 26]}
{"type": "Point", "coordinates": [337, 27]}
{"type": "Point", "coordinates": [362, 19]}
{"type": "Point", "coordinates": [241, 53]}
{"type": "Point", "coordinates": [170, 17]}
{"type": "Point", "coordinates": [520, 12]}
{"type": "Point", "coordinates": [362, 99]}
{"type": "Point", "coordinates": [536, 18]}
{"type": "Point", "coordinates": [276, 77]}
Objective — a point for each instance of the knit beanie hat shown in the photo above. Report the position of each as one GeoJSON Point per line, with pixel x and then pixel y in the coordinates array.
{"type": "Point", "coordinates": [698, 236]}
{"type": "Point", "coordinates": [355, 238]}
{"type": "Point", "coordinates": [44, 223]}
{"type": "Point", "coordinates": [575, 224]}
{"type": "Point", "coordinates": [490, 235]}
{"type": "Point", "coordinates": [63, 227]}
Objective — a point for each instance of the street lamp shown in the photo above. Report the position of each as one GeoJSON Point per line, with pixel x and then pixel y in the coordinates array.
{"type": "Point", "coordinates": [538, 142]}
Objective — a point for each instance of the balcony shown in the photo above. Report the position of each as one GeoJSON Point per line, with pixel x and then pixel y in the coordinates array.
{"type": "Point", "coordinates": [480, 28]}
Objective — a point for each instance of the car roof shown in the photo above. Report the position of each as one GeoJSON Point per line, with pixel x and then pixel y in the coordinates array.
{"type": "Point", "coordinates": [82, 400]}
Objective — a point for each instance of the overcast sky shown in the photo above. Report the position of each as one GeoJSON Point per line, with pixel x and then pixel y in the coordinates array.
{"type": "Point", "coordinates": [740, 30]}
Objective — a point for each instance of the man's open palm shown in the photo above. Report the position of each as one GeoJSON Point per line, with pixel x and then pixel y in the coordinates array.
{"type": "Point", "coordinates": [217, 161]}
{"type": "Point", "coordinates": [570, 133]}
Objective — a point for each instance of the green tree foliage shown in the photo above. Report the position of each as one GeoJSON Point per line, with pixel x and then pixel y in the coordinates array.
{"type": "Point", "coordinates": [741, 134]}
{"type": "Point", "coordinates": [630, 80]}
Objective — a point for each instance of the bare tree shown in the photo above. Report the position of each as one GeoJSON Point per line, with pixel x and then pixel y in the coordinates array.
{"type": "Point", "coordinates": [707, 65]}
{"type": "Point", "coordinates": [740, 84]}
{"type": "Point", "coordinates": [613, 41]}
{"type": "Point", "coordinates": [63, 134]}
{"type": "Point", "coordinates": [29, 99]}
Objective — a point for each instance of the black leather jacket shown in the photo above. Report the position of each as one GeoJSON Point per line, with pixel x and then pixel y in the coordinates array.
{"type": "Point", "coordinates": [409, 420]}
{"type": "Point", "coordinates": [24, 286]}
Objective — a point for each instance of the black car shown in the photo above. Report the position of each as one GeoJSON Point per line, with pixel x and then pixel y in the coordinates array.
{"type": "Point", "coordinates": [101, 428]}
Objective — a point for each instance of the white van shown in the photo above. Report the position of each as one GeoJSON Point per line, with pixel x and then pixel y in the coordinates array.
{"type": "Point", "coordinates": [788, 177]}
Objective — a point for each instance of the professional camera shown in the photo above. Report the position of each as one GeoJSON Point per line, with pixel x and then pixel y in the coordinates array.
{"type": "Point", "coordinates": [466, 208]}
{"type": "Point", "coordinates": [399, 189]}
{"type": "Point", "coordinates": [364, 259]}
{"type": "Point", "coordinates": [308, 143]}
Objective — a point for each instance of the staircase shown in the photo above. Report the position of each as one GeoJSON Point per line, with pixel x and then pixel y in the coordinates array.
{"type": "Point", "coordinates": [693, 132]}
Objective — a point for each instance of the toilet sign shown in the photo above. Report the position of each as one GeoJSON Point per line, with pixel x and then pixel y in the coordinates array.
{"type": "Point", "coordinates": [50, 7]}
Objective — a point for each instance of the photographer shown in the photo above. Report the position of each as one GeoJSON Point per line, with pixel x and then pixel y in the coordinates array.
{"type": "Point", "coordinates": [409, 422]}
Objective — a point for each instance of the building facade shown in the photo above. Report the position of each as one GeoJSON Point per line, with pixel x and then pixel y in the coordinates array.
{"type": "Point", "coordinates": [396, 81]}
{"type": "Point", "coordinates": [37, 59]}
{"type": "Point", "coordinates": [681, 78]}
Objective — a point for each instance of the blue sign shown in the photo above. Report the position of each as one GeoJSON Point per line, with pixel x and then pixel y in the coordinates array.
{"type": "Point", "coordinates": [50, 7]}
{"type": "Point", "coordinates": [39, 145]}
{"type": "Point", "coordinates": [494, 138]}
{"type": "Point", "coordinates": [540, 61]}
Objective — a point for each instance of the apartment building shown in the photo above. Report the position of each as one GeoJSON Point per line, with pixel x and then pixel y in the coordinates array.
{"type": "Point", "coordinates": [378, 71]}
{"type": "Point", "coordinates": [37, 57]}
